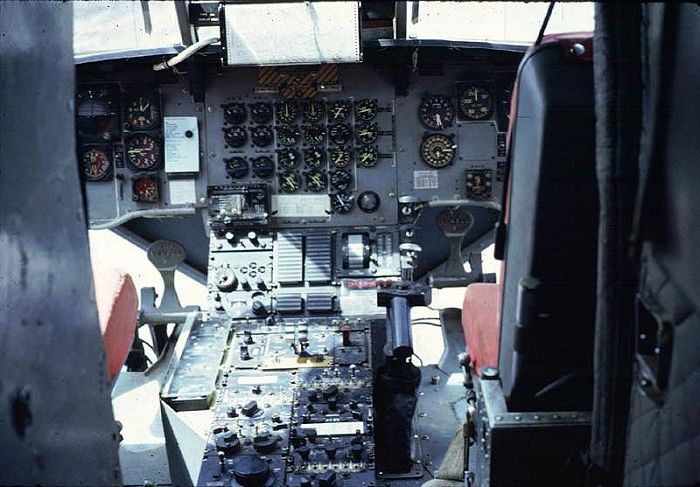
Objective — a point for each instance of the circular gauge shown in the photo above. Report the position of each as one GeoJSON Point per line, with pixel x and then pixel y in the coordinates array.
{"type": "Point", "coordinates": [436, 112]}
{"type": "Point", "coordinates": [287, 112]}
{"type": "Point", "coordinates": [367, 156]}
{"type": "Point", "coordinates": [263, 167]}
{"type": "Point", "coordinates": [340, 156]}
{"type": "Point", "coordinates": [314, 157]}
{"type": "Point", "coordinates": [339, 134]}
{"type": "Point", "coordinates": [314, 111]}
{"type": "Point", "coordinates": [287, 158]}
{"type": "Point", "coordinates": [95, 115]}
{"type": "Point", "coordinates": [262, 136]}
{"type": "Point", "coordinates": [366, 110]}
{"type": "Point", "coordinates": [368, 201]}
{"type": "Point", "coordinates": [236, 167]}
{"type": "Point", "coordinates": [290, 182]}
{"type": "Point", "coordinates": [316, 181]}
{"type": "Point", "coordinates": [313, 134]}
{"type": "Point", "coordinates": [261, 112]}
{"type": "Point", "coordinates": [366, 133]}
{"type": "Point", "coordinates": [143, 152]}
{"type": "Point", "coordinates": [342, 202]}
{"type": "Point", "coordinates": [287, 134]}
{"type": "Point", "coordinates": [142, 113]}
{"type": "Point", "coordinates": [338, 110]}
{"type": "Point", "coordinates": [476, 103]}
{"type": "Point", "coordinates": [235, 136]}
{"type": "Point", "coordinates": [341, 179]}
{"type": "Point", "coordinates": [145, 190]}
{"type": "Point", "coordinates": [438, 150]}
{"type": "Point", "coordinates": [96, 164]}
{"type": "Point", "coordinates": [235, 113]}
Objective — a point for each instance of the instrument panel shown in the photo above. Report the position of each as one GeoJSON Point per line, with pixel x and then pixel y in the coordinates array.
{"type": "Point", "coordinates": [345, 154]}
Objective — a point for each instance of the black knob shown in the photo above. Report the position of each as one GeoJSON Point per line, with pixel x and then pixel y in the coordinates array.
{"type": "Point", "coordinates": [304, 451]}
{"type": "Point", "coordinates": [250, 408]}
{"type": "Point", "coordinates": [313, 396]}
{"type": "Point", "coordinates": [259, 308]}
{"type": "Point", "coordinates": [330, 391]}
{"type": "Point", "coordinates": [251, 471]}
{"type": "Point", "coordinates": [356, 451]}
{"type": "Point", "coordinates": [260, 283]}
{"type": "Point", "coordinates": [311, 435]}
{"type": "Point", "coordinates": [248, 337]}
{"type": "Point", "coordinates": [356, 414]}
{"type": "Point", "coordinates": [231, 412]}
{"type": "Point", "coordinates": [265, 443]}
{"type": "Point", "coordinates": [327, 479]}
{"type": "Point", "coordinates": [245, 354]}
{"type": "Point", "coordinates": [333, 402]}
{"type": "Point", "coordinates": [305, 482]}
{"type": "Point", "coordinates": [331, 450]}
{"type": "Point", "coordinates": [368, 201]}
{"type": "Point", "coordinates": [227, 442]}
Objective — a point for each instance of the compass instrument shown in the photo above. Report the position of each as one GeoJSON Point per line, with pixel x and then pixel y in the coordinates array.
{"type": "Point", "coordinates": [96, 164]}
{"type": "Point", "coordinates": [287, 134]}
{"type": "Point", "coordinates": [366, 133]}
{"type": "Point", "coordinates": [290, 182]}
{"type": "Point", "coordinates": [143, 152]}
{"type": "Point", "coordinates": [339, 134]}
{"type": "Point", "coordinates": [314, 111]}
{"type": "Point", "coordinates": [313, 134]}
{"type": "Point", "coordinates": [235, 113]}
{"type": "Point", "coordinates": [438, 150]}
{"type": "Point", "coordinates": [262, 136]}
{"type": "Point", "coordinates": [236, 167]}
{"type": "Point", "coordinates": [367, 156]}
{"type": "Point", "coordinates": [261, 112]}
{"type": "Point", "coordinates": [366, 110]}
{"type": "Point", "coordinates": [314, 157]}
{"type": "Point", "coordinates": [368, 201]}
{"type": "Point", "coordinates": [338, 110]}
{"type": "Point", "coordinates": [316, 181]}
{"type": "Point", "coordinates": [340, 156]}
{"type": "Point", "coordinates": [286, 112]}
{"type": "Point", "coordinates": [235, 136]}
{"type": "Point", "coordinates": [341, 179]}
{"type": "Point", "coordinates": [142, 113]}
{"type": "Point", "coordinates": [342, 202]}
{"type": "Point", "coordinates": [476, 103]}
{"type": "Point", "coordinates": [263, 167]}
{"type": "Point", "coordinates": [287, 158]}
{"type": "Point", "coordinates": [436, 112]}
{"type": "Point", "coordinates": [145, 190]}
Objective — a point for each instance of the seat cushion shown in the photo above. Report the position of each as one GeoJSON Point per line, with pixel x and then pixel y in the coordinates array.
{"type": "Point", "coordinates": [117, 309]}
{"type": "Point", "coordinates": [481, 317]}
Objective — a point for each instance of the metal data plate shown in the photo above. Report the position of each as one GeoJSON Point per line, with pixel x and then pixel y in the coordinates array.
{"type": "Point", "coordinates": [292, 33]}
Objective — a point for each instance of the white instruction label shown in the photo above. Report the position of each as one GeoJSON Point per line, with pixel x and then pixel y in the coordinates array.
{"type": "Point", "coordinates": [307, 205]}
{"type": "Point", "coordinates": [182, 191]}
{"type": "Point", "coordinates": [425, 180]}
{"type": "Point", "coordinates": [181, 144]}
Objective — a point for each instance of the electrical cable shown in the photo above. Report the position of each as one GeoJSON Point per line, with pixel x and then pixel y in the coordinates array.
{"type": "Point", "coordinates": [185, 54]}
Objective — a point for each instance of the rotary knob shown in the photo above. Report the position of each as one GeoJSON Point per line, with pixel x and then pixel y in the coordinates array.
{"type": "Point", "coordinates": [251, 471]}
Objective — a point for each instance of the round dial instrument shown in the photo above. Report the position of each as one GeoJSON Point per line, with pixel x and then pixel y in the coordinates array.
{"type": "Point", "coordinates": [436, 112]}
{"type": "Point", "coordinates": [236, 167]}
{"type": "Point", "coordinates": [314, 111]}
{"type": "Point", "coordinates": [339, 134]}
{"type": "Point", "coordinates": [342, 202]}
{"type": "Point", "coordinates": [476, 103]}
{"type": "Point", "coordinates": [95, 113]}
{"type": "Point", "coordinates": [261, 112]}
{"type": "Point", "coordinates": [368, 201]}
{"type": "Point", "coordinates": [143, 152]}
{"type": "Point", "coordinates": [366, 110]}
{"type": "Point", "coordinates": [340, 156]}
{"type": "Point", "coordinates": [262, 136]}
{"type": "Point", "coordinates": [314, 157]}
{"type": "Point", "coordinates": [263, 167]}
{"type": "Point", "coordinates": [142, 113]}
{"type": "Point", "coordinates": [290, 182]}
{"type": "Point", "coordinates": [316, 181]}
{"type": "Point", "coordinates": [338, 110]}
{"type": "Point", "coordinates": [235, 113]}
{"type": "Point", "coordinates": [341, 179]}
{"type": "Point", "coordinates": [367, 156]}
{"type": "Point", "coordinates": [96, 164]}
{"type": "Point", "coordinates": [235, 136]}
{"type": "Point", "coordinates": [366, 133]}
{"type": "Point", "coordinates": [287, 134]}
{"type": "Point", "coordinates": [438, 150]}
{"type": "Point", "coordinates": [287, 158]}
{"type": "Point", "coordinates": [145, 190]}
{"type": "Point", "coordinates": [313, 134]}
{"type": "Point", "coordinates": [287, 111]}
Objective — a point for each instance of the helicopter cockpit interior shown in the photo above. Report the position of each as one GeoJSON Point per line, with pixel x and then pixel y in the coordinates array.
{"type": "Point", "coordinates": [422, 257]}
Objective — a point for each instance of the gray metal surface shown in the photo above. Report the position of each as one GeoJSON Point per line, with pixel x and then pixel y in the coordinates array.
{"type": "Point", "coordinates": [56, 422]}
